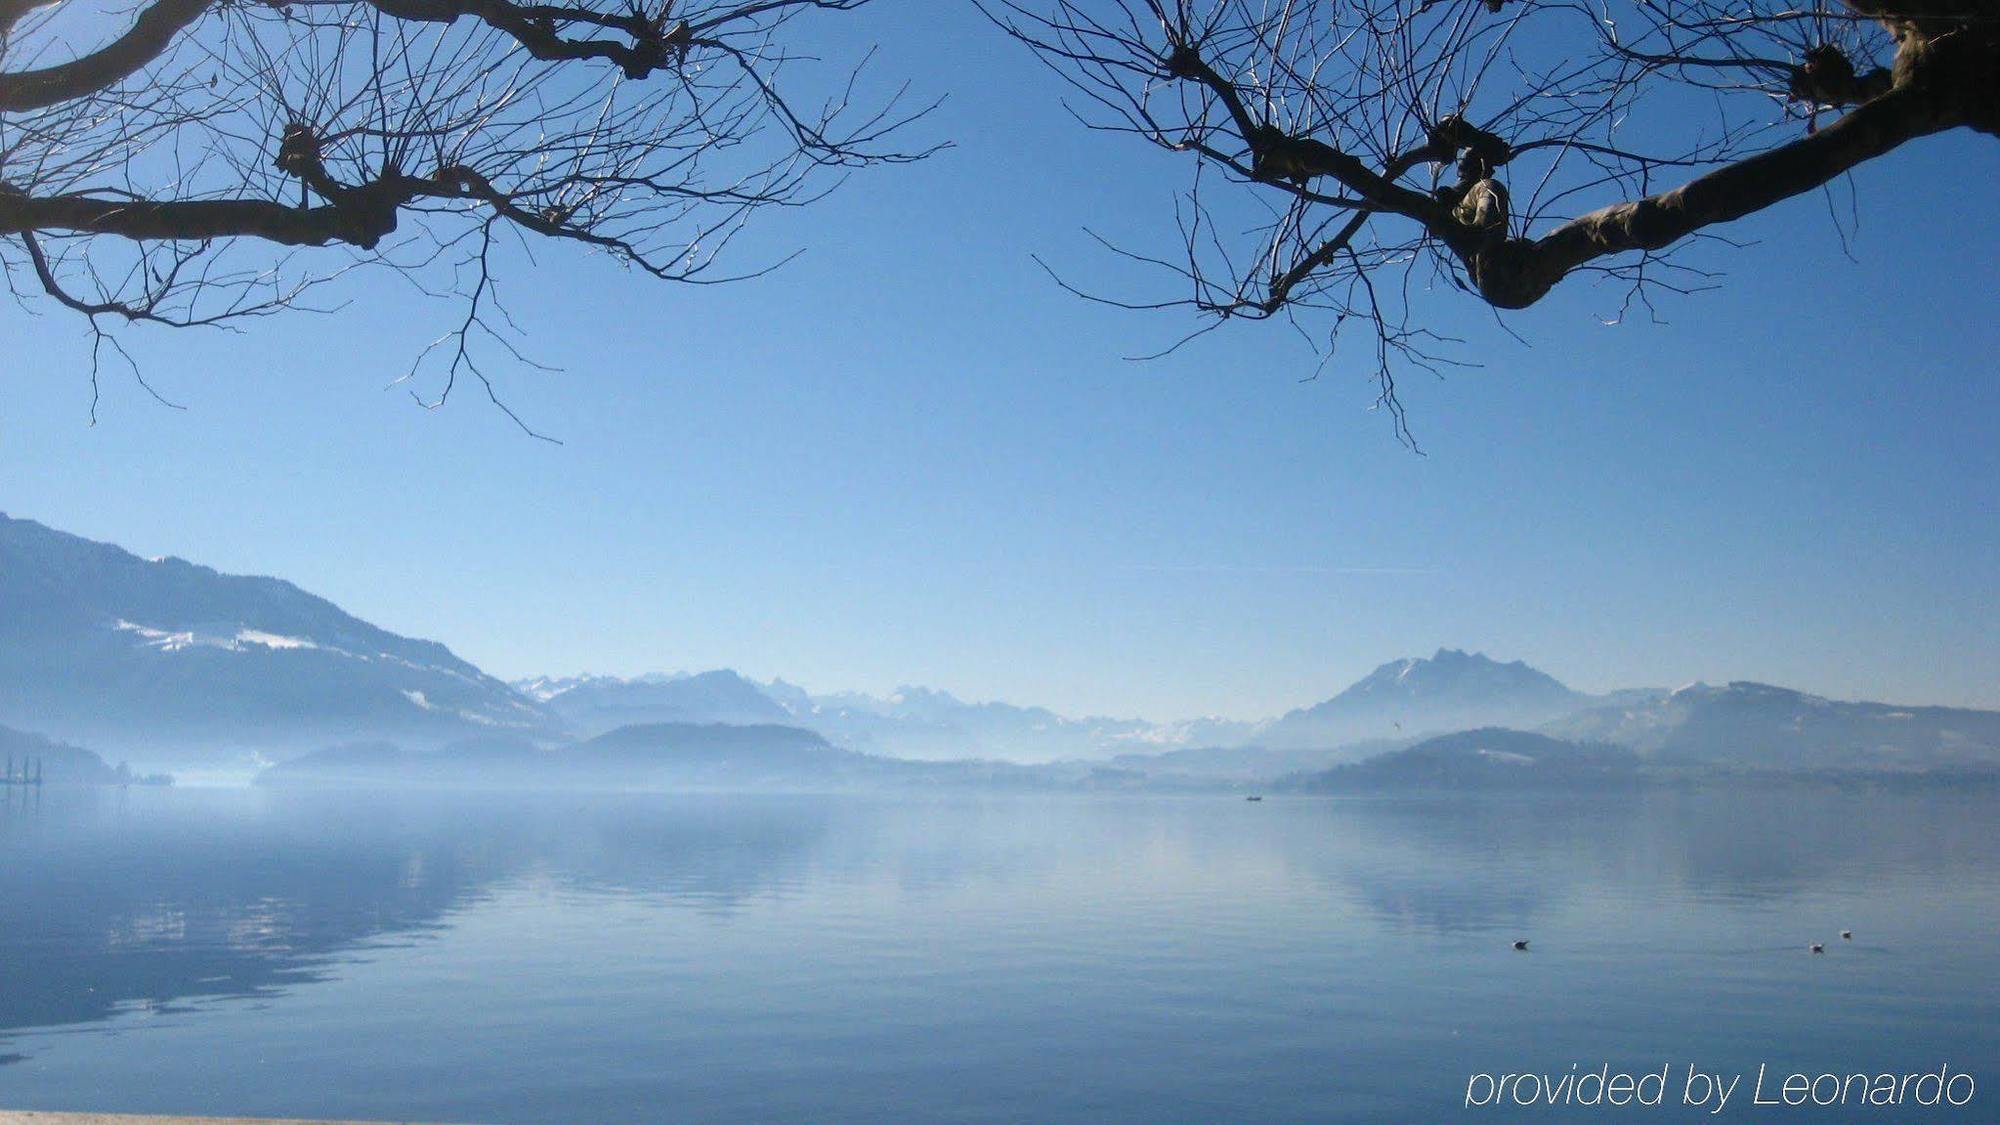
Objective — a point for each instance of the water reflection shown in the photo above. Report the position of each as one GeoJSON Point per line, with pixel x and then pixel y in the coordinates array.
{"type": "Point", "coordinates": [110, 898]}
{"type": "Point", "coordinates": [112, 901]}
{"type": "Point", "coordinates": [1466, 864]}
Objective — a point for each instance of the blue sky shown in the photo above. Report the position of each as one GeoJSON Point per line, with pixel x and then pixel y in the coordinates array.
{"type": "Point", "coordinates": [908, 457]}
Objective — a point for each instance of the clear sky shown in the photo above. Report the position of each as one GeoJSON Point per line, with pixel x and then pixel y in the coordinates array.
{"type": "Point", "coordinates": [908, 458]}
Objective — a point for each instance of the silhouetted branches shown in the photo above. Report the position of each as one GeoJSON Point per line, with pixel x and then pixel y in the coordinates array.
{"type": "Point", "coordinates": [1501, 145]}
{"type": "Point", "coordinates": [209, 161]}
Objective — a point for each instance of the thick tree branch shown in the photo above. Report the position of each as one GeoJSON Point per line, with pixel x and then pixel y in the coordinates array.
{"type": "Point", "coordinates": [1518, 272]}
{"type": "Point", "coordinates": [152, 33]}
{"type": "Point", "coordinates": [654, 43]}
{"type": "Point", "coordinates": [363, 216]}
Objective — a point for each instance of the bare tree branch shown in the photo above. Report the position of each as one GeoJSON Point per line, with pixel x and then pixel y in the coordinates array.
{"type": "Point", "coordinates": [192, 163]}
{"type": "Point", "coordinates": [150, 35]}
{"type": "Point", "coordinates": [1504, 145]}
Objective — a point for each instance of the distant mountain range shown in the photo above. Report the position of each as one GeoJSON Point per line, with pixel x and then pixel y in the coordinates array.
{"type": "Point", "coordinates": [163, 660]}
{"type": "Point", "coordinates": [1401, 700]}
{"type": "Point", "coordinates": [911, 722]}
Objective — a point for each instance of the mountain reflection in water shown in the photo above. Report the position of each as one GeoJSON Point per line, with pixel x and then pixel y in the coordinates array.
{"type": "Point", "coordinates": [594, 957]}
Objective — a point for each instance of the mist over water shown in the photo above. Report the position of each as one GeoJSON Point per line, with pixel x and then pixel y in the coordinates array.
{"type": "Point", "coordinates": [630, 957]}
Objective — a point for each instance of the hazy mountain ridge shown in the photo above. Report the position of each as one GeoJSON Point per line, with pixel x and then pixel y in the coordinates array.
{"type": "Point", "coordinates": [654, 756]}
{"type": "Point", "coordinates": [1451, 690]}
{"type": "Point", "coordinates": [911, 722]}
{"type": "Point", "coordinates": [55, 763]}
{"type": "Point", "coordinates": [1740, 731]}
{"type": "Point", "coordinates": [99, 644]}
{"type": "Point", "coordinates": [1246, 763]}
{"type": "Point", "coordinates": [680, 753]}
{"type": "Point", "coordinates": [595, 704]}
{"type": "Point", "coordinates": [1751, 725]}
{"type": "Point", "coordinates": [1488, 758]}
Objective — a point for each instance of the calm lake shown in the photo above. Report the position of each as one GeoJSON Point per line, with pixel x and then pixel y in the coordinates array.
{"type": "Point", "coordinates": [575, 957]}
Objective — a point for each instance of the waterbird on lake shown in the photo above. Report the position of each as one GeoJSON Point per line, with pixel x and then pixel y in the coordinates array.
{"type": "Point", "coordinates": [1521, 945]}
{"type": "Point", "coordinates": [1253, 798]}
{"type": "Point", "coordinates": [1816, 947]}
{"type": "Point", "coordinates": [1847, 935]}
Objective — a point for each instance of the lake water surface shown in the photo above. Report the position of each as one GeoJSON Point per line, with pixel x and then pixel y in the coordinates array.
{"type": "Point", "coordinates": [570, 957]}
